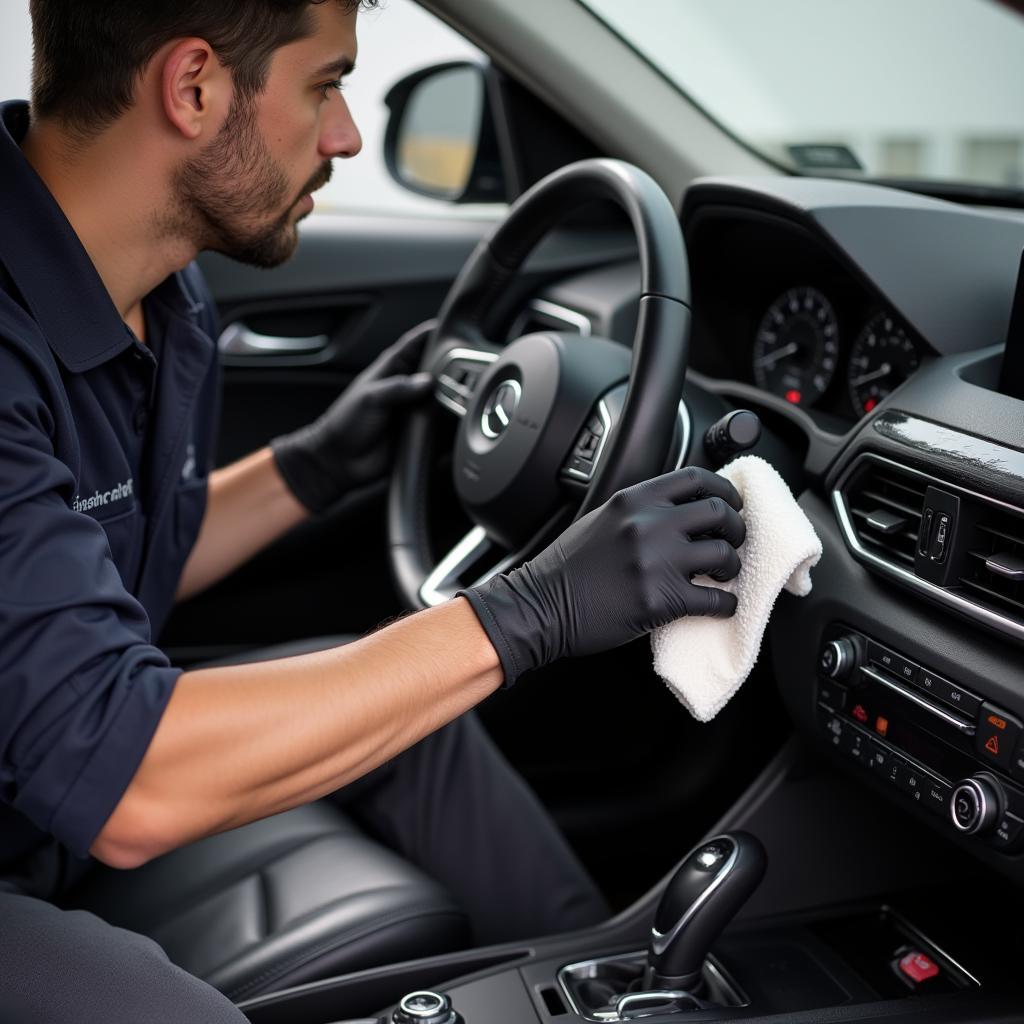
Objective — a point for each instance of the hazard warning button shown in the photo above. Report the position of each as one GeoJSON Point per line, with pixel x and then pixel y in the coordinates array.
{"type": "Point", "coordinates": [918, 966]}
{"type": "Point", "coordinates": [997, 735]}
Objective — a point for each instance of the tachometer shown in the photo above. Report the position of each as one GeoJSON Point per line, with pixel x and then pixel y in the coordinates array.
{"type": "Point", "coordinates": [796, 346]}
{"type": "Point", "coordinates": [883, 357]}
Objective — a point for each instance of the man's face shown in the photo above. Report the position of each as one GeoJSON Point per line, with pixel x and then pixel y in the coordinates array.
{"type": "Point", "coordinates": [245, 193]}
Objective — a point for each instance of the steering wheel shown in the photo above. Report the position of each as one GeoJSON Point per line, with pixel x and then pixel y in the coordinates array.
{"type": "Point", "coordinates": [552, 424]}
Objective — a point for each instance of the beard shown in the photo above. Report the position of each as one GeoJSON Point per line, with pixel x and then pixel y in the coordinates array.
{"type": "Point", "coordinates": [231, 194]}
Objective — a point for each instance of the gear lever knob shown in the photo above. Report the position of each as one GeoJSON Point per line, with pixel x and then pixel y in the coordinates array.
{"type": "Point", "coordinates": [714, 880]}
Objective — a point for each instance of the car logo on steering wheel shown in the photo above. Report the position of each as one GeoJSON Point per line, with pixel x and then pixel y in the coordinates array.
{"type": "Point", "coordinates": [501, 408]}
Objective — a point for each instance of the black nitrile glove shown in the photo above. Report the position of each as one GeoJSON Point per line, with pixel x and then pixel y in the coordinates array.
{"type": "Point", "coordinates": [617, 573]}
{"type": "Point", "coordinates": [350, 446]}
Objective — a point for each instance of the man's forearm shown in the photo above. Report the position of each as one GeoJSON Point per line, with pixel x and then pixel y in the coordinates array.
{"type": "Point", "coordinates": [249, 506]}
{"type": "Point", "coordinates": [243, 742]}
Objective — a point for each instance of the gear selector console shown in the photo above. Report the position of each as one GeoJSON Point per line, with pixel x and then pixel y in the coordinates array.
{"type": "Point", "coordinates": [710, 885]}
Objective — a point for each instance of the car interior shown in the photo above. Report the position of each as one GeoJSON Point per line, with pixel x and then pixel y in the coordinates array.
{"type": "Point", "coordinates": [845, 840]}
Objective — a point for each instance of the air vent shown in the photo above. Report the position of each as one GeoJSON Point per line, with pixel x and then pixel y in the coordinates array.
{"type": "Point", "coordinates": [885, 506]}
{"type": "Point", "coordinates": [993, 571]}
{"type": "Point", "coordinates": [956, 546]}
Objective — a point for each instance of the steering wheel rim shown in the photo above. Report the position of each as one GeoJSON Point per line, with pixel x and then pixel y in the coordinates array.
{"type": "Point", "coordinates": [638, 447]}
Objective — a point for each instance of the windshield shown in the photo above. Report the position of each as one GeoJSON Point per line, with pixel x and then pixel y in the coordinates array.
{"type": "Point", "coordinates": [911, 89]}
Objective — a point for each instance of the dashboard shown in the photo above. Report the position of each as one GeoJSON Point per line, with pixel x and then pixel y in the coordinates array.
{"type": "Point", "coordinates": [777, 310]}
{"type": "Point", "coordinates": [866, 327]}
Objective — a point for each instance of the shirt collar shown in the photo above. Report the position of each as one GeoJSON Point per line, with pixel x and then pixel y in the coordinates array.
{"type": "Point", "coordinates": [53, 272]}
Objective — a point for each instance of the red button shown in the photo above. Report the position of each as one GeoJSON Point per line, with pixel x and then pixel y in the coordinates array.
{"type": "Point", "coordinates": [918, 967]}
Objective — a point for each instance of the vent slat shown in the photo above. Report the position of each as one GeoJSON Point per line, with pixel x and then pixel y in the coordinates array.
{"type": "Point", "coordinates": [1003, 534]}
{"type": "Point", "coordinates": [1002, 601]}
{"type": "Point", "coordinates": [874, 490]}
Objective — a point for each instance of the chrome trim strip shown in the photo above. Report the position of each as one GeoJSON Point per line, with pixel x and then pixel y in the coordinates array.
{"type": "Point", "coordinates": [964, 727]}
{"type": "Point", "coordinates": [1001, 623]}
{"type": "Point", "coordinates": [443, 583]}
{"type": "Point", "coordinates": [586, 969]}
{"type": "Point", "coordinates": [686, 422]}
{"type": "Point", "coordinates": [606, 419]}
{"type": "Point", "coordinates": [239, 340]}
{"type": "Point", "coordinates": [468, 355]}
{"type": "Point", "coordinates": [925, 941]}
{"type": "Point", "coordinates": [655, 997]}
{"type": "Point", "coordinates": [661, 941]}
{"type": "Point", "coordinates": [472, 547]}
{"type": "Point", "coordinates": [567, 316]}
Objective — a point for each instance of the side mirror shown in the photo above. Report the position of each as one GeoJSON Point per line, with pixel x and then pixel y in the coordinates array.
{"type": "Point", "coordinates": [441, 140]}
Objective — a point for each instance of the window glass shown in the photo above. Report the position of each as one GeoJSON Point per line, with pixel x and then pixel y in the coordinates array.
{"type": "Point", "coordinates": [926, 89]}
{"type": "Point", "coordinates": [394, 40]}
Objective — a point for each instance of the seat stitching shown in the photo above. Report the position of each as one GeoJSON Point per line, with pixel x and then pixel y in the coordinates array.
{"type": "Point", "coordinates": [336, 943]}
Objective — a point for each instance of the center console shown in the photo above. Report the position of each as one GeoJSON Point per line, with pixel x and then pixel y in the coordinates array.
{"type": "Point", "coordinates": [924, 736]}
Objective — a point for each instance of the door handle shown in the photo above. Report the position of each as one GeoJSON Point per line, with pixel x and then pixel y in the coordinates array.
{"type": "Point", "coordinates": [239, 340]}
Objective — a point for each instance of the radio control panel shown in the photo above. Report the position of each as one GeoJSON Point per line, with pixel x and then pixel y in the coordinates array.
{"type": "Point", "coordinates": [938, 744]}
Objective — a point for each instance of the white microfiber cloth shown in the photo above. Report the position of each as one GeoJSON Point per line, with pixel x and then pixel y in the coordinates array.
{"type": "Point", "coordinates": [705, 660]}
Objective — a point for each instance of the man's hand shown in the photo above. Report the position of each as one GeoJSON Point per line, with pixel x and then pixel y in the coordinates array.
{"type": "Point", "coordinates": [618, 572]}
{"type": "Point", "coordinates": [350, 446]}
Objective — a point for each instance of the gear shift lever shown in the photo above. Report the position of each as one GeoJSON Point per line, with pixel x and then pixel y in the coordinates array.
{"type": "Point", "coordinates": [701, 898]}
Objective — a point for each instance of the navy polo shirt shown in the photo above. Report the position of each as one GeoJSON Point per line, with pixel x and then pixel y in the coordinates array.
{"type": "Point", "coordinates": [105, 446]}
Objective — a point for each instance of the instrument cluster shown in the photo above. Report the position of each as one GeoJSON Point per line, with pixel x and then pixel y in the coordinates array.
{"type": "Point", "coordinates": [805, 353]}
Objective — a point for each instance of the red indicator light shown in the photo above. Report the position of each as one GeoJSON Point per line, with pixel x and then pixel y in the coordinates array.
{"type": "Point", "coordinates": [870, 404]}
{"type": "Point", "coordinates": [794, 396]}
{"type": "Point", "coordinates": [860, 713]}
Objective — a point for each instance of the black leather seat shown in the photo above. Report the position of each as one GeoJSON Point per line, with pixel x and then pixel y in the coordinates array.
{"type": "Point", "coordinates": [297, 897]}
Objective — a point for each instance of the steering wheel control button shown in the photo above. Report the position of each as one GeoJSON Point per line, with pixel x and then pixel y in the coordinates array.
{"type": "Point", "coordinates": [997, 736]}
{"type": "Point", "coordinates": [918, 966]}
{"type": "Point", "coordinates": [974, 806]}
{"type": "Point", "coordinates": [424, 1008]}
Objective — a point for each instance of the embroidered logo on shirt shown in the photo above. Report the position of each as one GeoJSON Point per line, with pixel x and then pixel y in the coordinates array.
{"type": "Point", "coordinates": [99, 499]}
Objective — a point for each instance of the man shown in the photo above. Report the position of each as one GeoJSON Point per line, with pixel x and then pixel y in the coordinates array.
{"type": "Point", "coordinates": [156, 131]}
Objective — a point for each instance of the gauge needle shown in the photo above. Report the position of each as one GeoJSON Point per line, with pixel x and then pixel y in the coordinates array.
{"type": "Point", "coordinates": [883, 371]}
{"type": "Point", "coordinates": [773, 357]}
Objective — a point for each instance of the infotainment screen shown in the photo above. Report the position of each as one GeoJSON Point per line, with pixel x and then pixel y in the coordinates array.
{"type": "Point", "coordinates": [1011, 377]}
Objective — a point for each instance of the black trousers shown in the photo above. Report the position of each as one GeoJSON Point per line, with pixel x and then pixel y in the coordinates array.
{"type": "Point", "coordinates": [451, 804]}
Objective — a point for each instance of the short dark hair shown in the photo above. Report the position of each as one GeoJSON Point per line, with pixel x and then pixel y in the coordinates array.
{"type": "Point", "coordinates": [89, 54]}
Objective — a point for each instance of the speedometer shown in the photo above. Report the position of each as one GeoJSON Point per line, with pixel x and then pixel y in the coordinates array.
{"type": "Point", "coordinates": [883, 357]}
{"type": "Point", "coordinates": [796, 346]}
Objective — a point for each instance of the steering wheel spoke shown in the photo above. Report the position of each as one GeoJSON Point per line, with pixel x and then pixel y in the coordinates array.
{"type": "Point", "coordinates": [457, 374]}
{"type": "Point", "coordinates": [475, 550]}
{"type": "Point", "coordinates": [532, 445]}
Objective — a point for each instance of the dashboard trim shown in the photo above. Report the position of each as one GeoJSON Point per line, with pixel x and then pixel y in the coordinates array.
{"type": "Point", "coordinates": [936, 439]}
{"type": "Point", "coordinates": [941, 595]}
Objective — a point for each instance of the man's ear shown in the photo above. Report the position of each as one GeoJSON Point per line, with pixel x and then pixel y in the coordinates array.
{"type": "Point", "coordinates": [196, 88]}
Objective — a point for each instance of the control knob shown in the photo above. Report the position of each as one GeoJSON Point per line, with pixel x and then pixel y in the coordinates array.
{"type": "Point", "coordinates": [425, 1008]}
{"type": "Point", "coordinates": [839, 658]}
{"type": "Point", "coordinates": [975, 805]}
